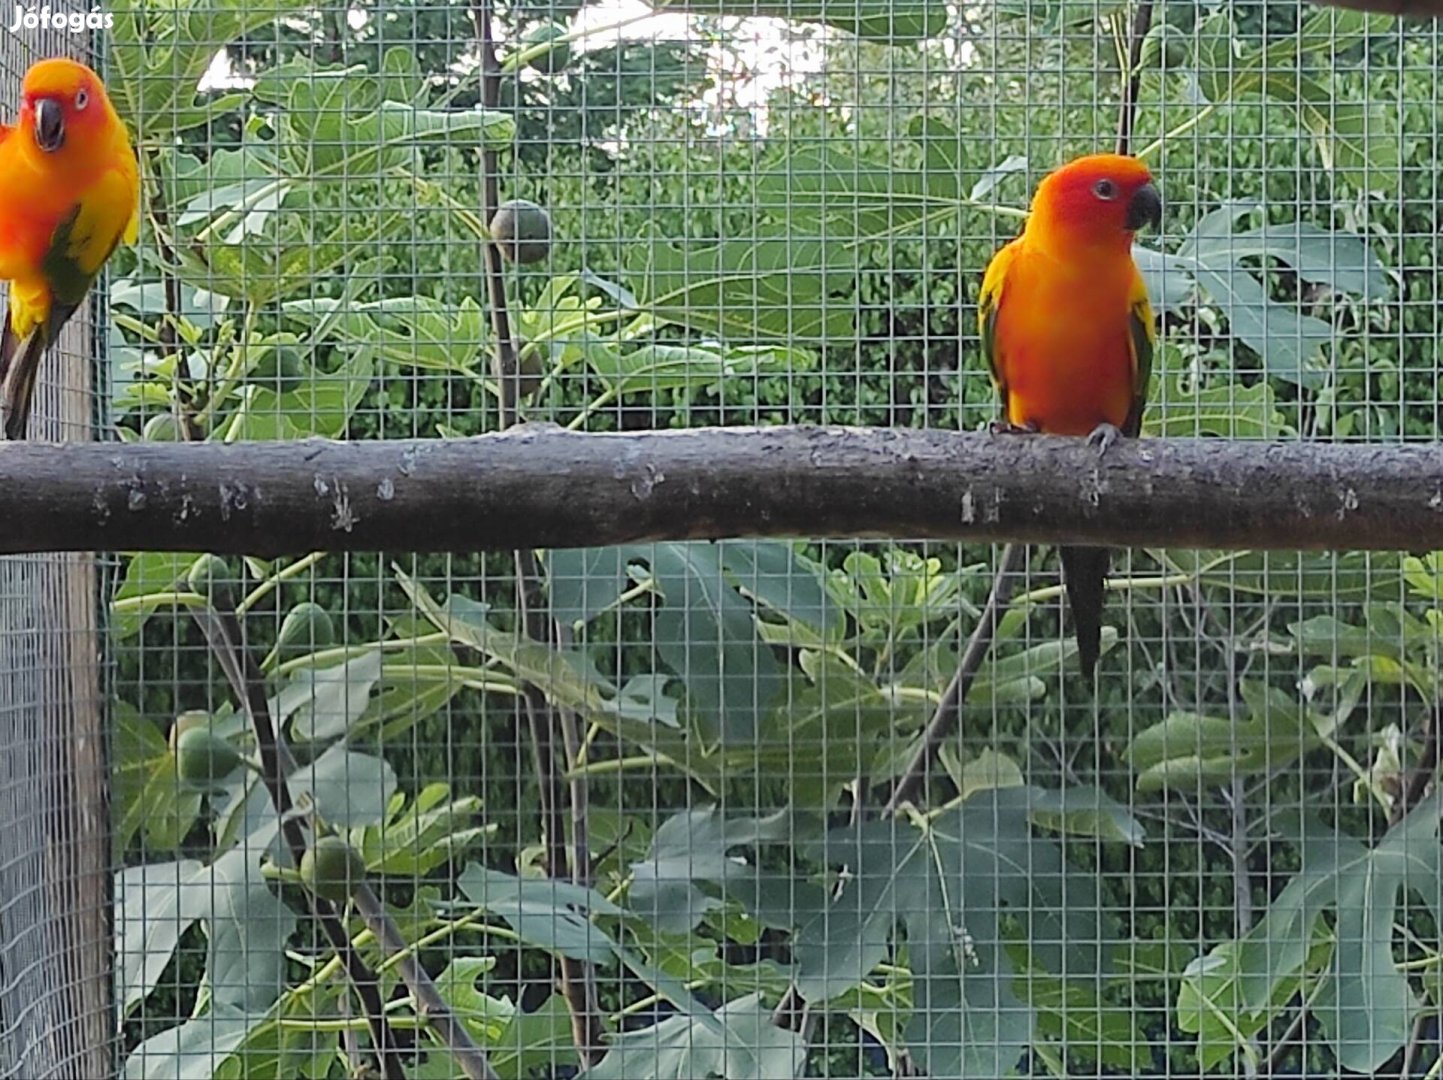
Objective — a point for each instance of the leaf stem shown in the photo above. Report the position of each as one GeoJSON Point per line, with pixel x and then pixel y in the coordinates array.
{"type": "Point", "coordinates": [617, 765]}
{"type": "Point", "coordinates": [595, 405]}
{"type": "Point", "coordinates": [350, 652]}
{"type": "Point", "coordinates": [134, 605]}
{"type": "Point", "coordinates": [517, 60]}
{"type": "Point", "coordinates": [269, 585]}
{"type": "Point", "coordinates": [1360, 773]}
{"type": "Point", "coordinates": [1187, 125]}
{"type": "Point", "coordinates": [642, 1004]}
{"type": "Point", "coordinates": [1130, 584]}
{"type": "Point", "coordinates": [235, 213]}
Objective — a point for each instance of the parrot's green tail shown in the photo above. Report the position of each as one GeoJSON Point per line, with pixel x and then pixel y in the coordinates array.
{"type": "Point", "coordinates": [1084, 573]}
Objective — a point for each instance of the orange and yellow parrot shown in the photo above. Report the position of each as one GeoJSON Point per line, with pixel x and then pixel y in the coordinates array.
{"type": "Point", "coordinates": [1068, 332]}
{"type": "Point", "coordinates": [69, 193]}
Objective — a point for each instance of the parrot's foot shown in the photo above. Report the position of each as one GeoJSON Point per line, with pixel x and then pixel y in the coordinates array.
{"type": "Point", "coordinates": [1103, 437]}
{"type": "Point", "coordinates": [1006, 427]}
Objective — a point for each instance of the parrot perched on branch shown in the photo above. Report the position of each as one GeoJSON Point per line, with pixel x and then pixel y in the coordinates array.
{"type": "Point", "coordinates": [1068, 332]}
{"type": "Point", "coordinates": [69, 193]}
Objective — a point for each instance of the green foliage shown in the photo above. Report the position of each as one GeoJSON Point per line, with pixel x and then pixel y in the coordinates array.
{"type": "Point", "coordinates": [145, 798]}
{"type": "Point", "coordinates": [740, 1042]}
{"type": "Point", "coordinates": [1346, 971]}
{"type": "Point", "coordinates": [970, 934]}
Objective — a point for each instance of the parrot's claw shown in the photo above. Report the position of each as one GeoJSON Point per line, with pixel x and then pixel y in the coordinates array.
{"type": "Point", "coordinates": [1006, 427]}
{"type": "Point", "coordinates": [1103, 437]}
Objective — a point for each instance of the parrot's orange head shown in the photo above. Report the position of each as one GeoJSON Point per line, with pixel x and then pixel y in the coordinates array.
{"type": "Point", "coordinates": [60, 98]}
{"type": "Point", "coordinates": [1097, 201]}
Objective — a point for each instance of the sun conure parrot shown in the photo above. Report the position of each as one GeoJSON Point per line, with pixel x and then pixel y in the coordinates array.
{"type": "Point", "coordinates": [1068, 332]}
{"type": "Point", "coordinates": [69, 193]}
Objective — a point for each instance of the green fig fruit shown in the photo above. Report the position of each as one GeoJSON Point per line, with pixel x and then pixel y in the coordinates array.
{"type": "Point", "coordinates": [522, 230]}
{"type": "Point", "coordinates": [332, 869]}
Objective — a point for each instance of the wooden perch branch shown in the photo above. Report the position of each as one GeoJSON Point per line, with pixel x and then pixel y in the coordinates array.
{"type": "Point", "coordinates": [539, 486]}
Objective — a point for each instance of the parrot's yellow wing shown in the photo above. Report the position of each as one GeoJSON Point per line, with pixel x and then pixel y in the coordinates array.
{"type": "Point", "coordinates": [85, 239]}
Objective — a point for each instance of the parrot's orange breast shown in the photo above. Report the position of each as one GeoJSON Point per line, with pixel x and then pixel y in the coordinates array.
{"type": "Point", "coordinates": [26, 237]}
{"type": "Point", "coordinates": [1063, 345]}
{"type": "Point", "coordinates": [32, 202]}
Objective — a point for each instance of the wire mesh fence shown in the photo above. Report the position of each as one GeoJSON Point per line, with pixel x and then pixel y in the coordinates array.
{"type": "Point", "coordinates": [686, 809]}
{"type": "Point", "coordinates": [56, 1015]}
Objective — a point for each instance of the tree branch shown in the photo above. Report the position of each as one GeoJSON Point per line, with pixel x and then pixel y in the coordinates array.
{"type": "Point", "coordinates": [429, 1003]}
{"type": "Point", "coordinates": [1280, 1049]}
{"type": "Point", "coordinates": [578, 984]}
{"type": "Point", "coordinates": [1422, 773]}
{"type": "Point", "coordinates": [1132, 77]}
{"type": "Point", "coordinates": [944, 720]}
{"type": "Point", "coordinates": [539, 486]}
{"type": "Point", "coordinates": [1414, 1047]}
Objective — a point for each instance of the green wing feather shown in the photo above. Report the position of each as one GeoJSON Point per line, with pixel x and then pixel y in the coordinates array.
{"type": "Point", "coordinates": [987, 303]}
{"type": "Point", "coordinates": [1142, 327]}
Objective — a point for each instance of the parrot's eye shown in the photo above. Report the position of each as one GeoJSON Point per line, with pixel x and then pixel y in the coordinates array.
{"type": "Point", "coordinates": [1105, 189]}
{"type": "Point", "coordinates": [82, 99]}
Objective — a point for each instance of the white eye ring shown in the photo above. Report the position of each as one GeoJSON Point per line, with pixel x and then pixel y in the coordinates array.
{"type": "Point", "coordinates": [82, 99]}
{"type": "Point", "coordinates": [1105, 189]}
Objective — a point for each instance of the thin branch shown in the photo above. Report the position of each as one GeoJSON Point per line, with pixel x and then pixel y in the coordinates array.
{"type": "Point", "coordinates": [541, 487]}
{"type": "Point", "coordinates": [1414, 1047]}
{"type": "Point", "coordinates": [1279, 1053]}
{"type": "Point", "coordinates": [578, 984]}
{"type": "Point", "coordinates": [571, 735]}
{"type": "Point", "coordinates": [944, 720]}
{"type": "Point", "coordinates": [1237, 847]}
{"type": "Point", "coordinates": [1423, 772]}
{"type": "Point", "coordinates": [429, 1002]}
{"type": "Point", "coordinates": [182, 385]}
{"type": "Point", "coordinates": [1132, 77]}
{"type": "Point", "coordinates": [226, 638]}
{"type": "Point", "coordinates": [505, 356]}
{"type": "Point", "coordinates": [791, 1012]}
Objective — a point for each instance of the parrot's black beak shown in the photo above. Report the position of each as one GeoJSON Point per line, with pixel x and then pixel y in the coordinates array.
{"type": "Point", "coordinates": [49, 125]}
{"type": "Point", "coordinates": [1144, 209]}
